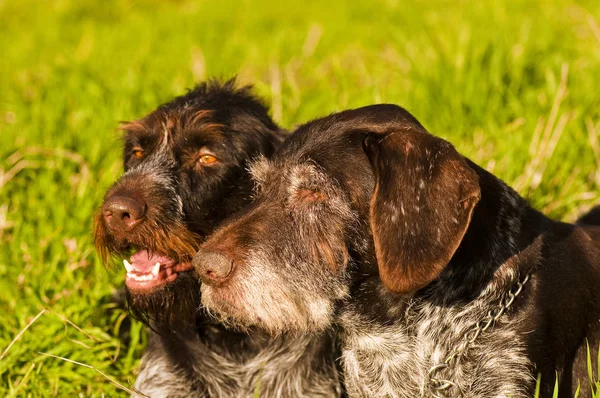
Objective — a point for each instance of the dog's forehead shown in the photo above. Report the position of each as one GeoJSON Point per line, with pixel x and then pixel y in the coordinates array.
{"type": "Point", "coordinates": [137, 132]}
{"type": "Point", "coordinates": [289, 175]}
{"type": "Point", "coordinates": [316, 152]}
{"type": "Point", "coordinates": [188, 125]}
{"type": "Point", "coordinates": [185, 126]}
{"type": "Point", "coordinates": [335, 173]}
{"type": "Point", "coordinates": [259, 168]}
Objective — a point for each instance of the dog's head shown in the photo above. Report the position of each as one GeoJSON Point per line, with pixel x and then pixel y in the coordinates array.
{"type": "Point", "coordinates": [365, 192]}
{"type": "Point", "coordinates": [185, 171]}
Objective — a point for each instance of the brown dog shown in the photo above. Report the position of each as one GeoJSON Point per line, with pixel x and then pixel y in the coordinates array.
{"type": "Point", "coordinates": [185, 171]}
{"type": "Point", "coordinates": [442, 279]}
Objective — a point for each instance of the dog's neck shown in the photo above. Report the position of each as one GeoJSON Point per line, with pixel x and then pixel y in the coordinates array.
{"type": "Point", "coordinates": [222, 363]}
{"type": "Point", "coordinates": [495, 240]}
{"type": "Point", "coordinates": [229, 344]}
{"type": "Point", "coordinates": [388, 338]}
{"type": "Point", "coordinates": [503, 230]}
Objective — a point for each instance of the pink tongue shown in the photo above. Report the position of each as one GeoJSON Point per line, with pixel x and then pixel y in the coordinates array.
{"type": "Point", "coordinates": [143, 262]}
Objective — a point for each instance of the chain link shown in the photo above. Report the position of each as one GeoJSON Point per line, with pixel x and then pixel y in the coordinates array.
{"type": "Point", "coordinates": [442, 388]}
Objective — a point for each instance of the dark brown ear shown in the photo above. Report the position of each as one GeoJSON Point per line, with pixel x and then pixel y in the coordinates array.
{"type": "Point", "coordinates": [421, 206]}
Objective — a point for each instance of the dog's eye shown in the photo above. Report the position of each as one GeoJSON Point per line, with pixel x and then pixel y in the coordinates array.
{"type": "Point", "coordinates": [207, 158]}
{"type": "Point", "coordinates": [137, 152]}
{"type": "Point", "coordinates": [309, 195]}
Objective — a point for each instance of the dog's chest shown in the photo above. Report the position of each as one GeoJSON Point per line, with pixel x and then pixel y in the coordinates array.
{"type": "Point", "coordinates": [289, 369]}
{"type": "Point", "coordinates": [394, 359]}
{"type": "Point", "coordinates": [302, 367]}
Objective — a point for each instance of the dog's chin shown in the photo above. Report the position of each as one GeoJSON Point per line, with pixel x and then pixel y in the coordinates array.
{"type": "Point", "coordinates": [236, 309]}
{"type": "Point", "coordinates": [167, 306]}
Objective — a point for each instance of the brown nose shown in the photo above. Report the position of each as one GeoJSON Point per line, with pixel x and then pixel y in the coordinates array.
{"type": "Point", "coordinates": [212, 267]}
{"type": "Point", "coordinates": [122, 213]}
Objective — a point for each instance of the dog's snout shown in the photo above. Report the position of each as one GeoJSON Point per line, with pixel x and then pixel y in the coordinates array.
{"type": "Point", "coordinates": [212, 267]}
{"type": "Point", "coordinates": [122, 213]}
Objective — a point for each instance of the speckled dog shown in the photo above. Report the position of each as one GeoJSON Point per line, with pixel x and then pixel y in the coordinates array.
{"type": "Point", "coordinates": [186, 170]}
{"type": "Point", "coordinates": [442, 279]}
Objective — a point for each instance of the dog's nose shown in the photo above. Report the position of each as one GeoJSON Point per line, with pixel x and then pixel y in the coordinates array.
{"type": "Point", "coordinates": [212, 267]}
{"type": "Point", "coordinates": [122, 213]}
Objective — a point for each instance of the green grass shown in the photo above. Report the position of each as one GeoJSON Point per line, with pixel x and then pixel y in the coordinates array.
{"type": "Point", "coordinates": [514, 85]}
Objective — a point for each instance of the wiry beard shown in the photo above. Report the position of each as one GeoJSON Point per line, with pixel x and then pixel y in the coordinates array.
{"type": "Point", "coordinates": [244, 303]}
{"type": "Point", "coordinates": [165, 237]}
{"type": "Point", "coordinates": [169, 308]}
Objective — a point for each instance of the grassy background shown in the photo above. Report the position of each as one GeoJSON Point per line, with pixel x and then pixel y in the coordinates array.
{"type": "Point", "coordinates": [514, 85]}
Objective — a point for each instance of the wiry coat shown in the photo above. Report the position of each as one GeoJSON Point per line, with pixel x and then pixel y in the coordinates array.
{"type": "Point", "coordinates": [370, 224]}
{"type": "Point", "coordinates": [239, 365]}
{"type": "Point", "coordinates": [185, 171]}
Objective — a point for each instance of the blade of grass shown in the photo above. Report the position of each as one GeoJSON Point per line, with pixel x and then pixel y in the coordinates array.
{"type": "Point", "coordinates": [107, 377]}
{"type": "Point", "coordinates": [18, 336]}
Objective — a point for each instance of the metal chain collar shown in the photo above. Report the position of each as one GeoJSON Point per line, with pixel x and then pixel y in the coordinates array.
{"type": "Point", "coordinates": [442, 388]}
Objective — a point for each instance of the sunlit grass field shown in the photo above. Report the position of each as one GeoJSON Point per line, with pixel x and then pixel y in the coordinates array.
{"type": "Point", "coordinates": [514, 85]}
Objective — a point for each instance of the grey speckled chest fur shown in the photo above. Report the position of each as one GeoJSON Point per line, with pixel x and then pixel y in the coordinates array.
{"type": "Point", "coordinates": [392, 359]}
{"type": "Point", "coordinates": [422, 243]}
{"type": "Point", "coordinates": [298, 367]}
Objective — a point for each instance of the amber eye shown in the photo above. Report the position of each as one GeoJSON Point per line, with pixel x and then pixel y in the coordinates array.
{"type": "Point", "coordinates": [207, 159]}
{"type": "Point", "coordinates": [138, 152]}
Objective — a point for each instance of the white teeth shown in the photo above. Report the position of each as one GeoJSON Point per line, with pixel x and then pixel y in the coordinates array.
{"type": "Point", "coordinates": [156, 269]}
{"type": "Point", "coordinates": [128, 266]}
{"type": "Point", "coordinates": [143, 277]}
{"type": "Point", "coordinates": [146, 277]}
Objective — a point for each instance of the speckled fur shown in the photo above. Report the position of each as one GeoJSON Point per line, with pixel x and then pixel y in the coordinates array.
{"type": "Point", "coordinates": [190, 354]}
{"type": "Point", "coordinates": [298, 367]}
{"type": "Point", "coordinates": [392, 358]}
{"type": "Point", "coordinates": [414, 245]}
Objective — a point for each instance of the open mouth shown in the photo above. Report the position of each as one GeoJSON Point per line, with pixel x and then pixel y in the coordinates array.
{"type": "Point", "coordinates": [146, 271]}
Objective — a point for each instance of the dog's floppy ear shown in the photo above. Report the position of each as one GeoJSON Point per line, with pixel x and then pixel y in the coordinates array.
{"type": "Point", "coordinates": [421, 207]}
